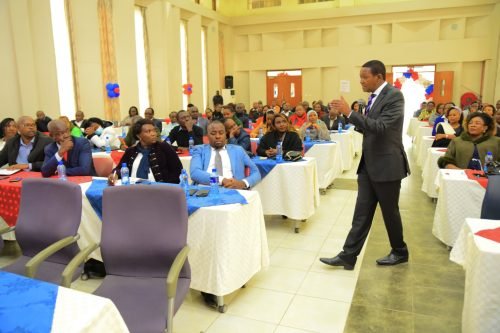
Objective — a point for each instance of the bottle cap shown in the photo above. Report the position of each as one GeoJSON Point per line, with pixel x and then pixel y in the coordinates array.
{"type": "Point", "coordinates": [214, 170]}
{"type": "Point", "coordinates": [61, 162]}
{"type": "Point", "coordinates": [124, 165]}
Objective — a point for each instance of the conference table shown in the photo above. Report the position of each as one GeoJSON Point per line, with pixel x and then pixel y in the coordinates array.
{"type": "Point", "coordinates": [477, 249]}
{"type": "Point", "coordinates": [425, 143]}
{"type": "Point", "coordinates": [414, 125]}
{"type": "Point", "coordinates": [430, 171]}
{"type": "Point", "coordinates": [30, 305]}
{"type": "Point", "coordinates": [421, 132]}
{"type": "Point", "coordinates": [460, 197]}
{"type": "Point", "coordinates": [329, 161]}
{"type": "Point", "coordinates": [357, 140]}
{"type": "Point", "coordinates": [345, 139]}
{"type": "Point", "coordinates": [291, 189]}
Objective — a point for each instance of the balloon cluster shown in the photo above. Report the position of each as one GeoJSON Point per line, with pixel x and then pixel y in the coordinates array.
{"type": "Point", "coordinates": [188, 89]}
{"type": "Point", "coordinates": [113, 90]}
{"type": "Point", "coordinates": [429, 90]}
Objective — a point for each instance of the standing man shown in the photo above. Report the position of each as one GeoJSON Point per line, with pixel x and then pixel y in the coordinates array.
{"type": "Point", "coordinates": [383, 164]}
{"type": "Point", "coordinates": [217, 99]}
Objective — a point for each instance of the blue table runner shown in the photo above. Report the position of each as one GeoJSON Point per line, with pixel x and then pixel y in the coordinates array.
{"type": "Point", "coordinates": [309, 144]}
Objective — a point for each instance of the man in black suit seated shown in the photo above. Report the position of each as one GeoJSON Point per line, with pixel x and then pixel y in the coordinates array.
{"type": "Point", "coordinates": [186, 129]}
{"type": "Point", "coordinates": [80, 120]}
{"type": "Point", "coordinates": [25, 150]}
{"type": "Point", "coordinates": [332, 120]}
{"type": "Point", "coordinates": [42, 121]}
{"type": "Point", "coordinates": [149, 114]}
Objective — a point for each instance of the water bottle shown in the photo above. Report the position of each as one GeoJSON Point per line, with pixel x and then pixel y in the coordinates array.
{"type": "Point", "coordinates": [214, 182]}
{"type": "Point", "coordinates": [308, 135]}
{"type": "Point", "coordinates": [261, 133]}
{"type": "Point", "coordinates": [61, 170]}
{"type": "Point", "coordinates": [124, 133]}
{"type": "Point", "coordinates": [191, 144]}
{"type": "Point", "coordinates": [107, 145]}
{"type": "Point", "coordinates": [279, 152]}
{"type": "Point", "coordinates": [184, 181]}
{"type": "Point", "coordinates": [488, 160]}
{"type": "Point", "coordinates": [250, 124]}
{"type": "Point", "coordinates": [125, 174]}
{"type": "Point", "coordinates": [340, 128]}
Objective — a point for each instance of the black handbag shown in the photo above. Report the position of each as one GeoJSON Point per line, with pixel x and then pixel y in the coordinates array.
{"type": "Point", "coordinates": [293, 156]}
{"type": "Point", "coordinates": [493, 168]}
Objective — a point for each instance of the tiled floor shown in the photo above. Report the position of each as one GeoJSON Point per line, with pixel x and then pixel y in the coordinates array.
{"type": "Point", "coordinates": [297, 293]}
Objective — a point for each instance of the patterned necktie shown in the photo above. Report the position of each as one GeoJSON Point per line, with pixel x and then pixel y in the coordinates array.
{"type": "Point", "coordinates": [372, 96]}
{"type": "Point", "coordinates": [218, 162]}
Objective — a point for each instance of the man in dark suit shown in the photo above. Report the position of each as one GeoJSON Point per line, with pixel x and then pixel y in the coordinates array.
{"type": "Point", "coordinates": [332, 120]}
{"type": "Point", "coordinates": [186, 129]}
{"type": "Point", "coordinates": [383, 164]}
{"type": "Point", "coordinates": [25, 150]}
{"type": "Point", "coordinates": [149, 114]}
{"type": "Point", "coordinates": [80, 120]}
{"type": "Point", "coordinates": [75, 152]}
{"type": "Point", "coordinates": [42, 121]}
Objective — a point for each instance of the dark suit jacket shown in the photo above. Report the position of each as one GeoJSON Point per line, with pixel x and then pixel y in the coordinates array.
{"type": "Point", "coordinates": [335, 126]}
{"type": "Point", "coordinates": [383, 152]}
{"type": "Point", "coordinates": [157, 123]}
{"type": "Point", "coordinates": [41, 125]}
{"type": "Point", "coordinates": [85, 123]}
{"type": "Point", "coordinates": [270, 140]}
{"type": "Point", "coordinates": [79, 161]}
{"type": "Point", "coordinates": [181, 136]}
{"type": "Point", "coordinates": [36, 156]}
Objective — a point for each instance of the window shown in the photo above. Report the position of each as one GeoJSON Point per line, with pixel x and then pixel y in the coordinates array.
{"type": "Point", "coordinates": [184, 62]}
{"type": "Point", "coordinates": [204, 69]}
{"type": "Point", "coordinates": [64, 62]}
{"type": "Point", "coordinates": [142, 68]}
{"type": "Point", "coordinates": [254, 4]}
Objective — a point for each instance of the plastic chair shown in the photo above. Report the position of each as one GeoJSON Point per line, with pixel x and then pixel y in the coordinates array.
{"type": "Point", "coordinates": [491, 202]}
{"type": "Point", "coordinates": [145, 254]}
{"type": "Point", "coordinates": [49, 217]}
{"type": "Point", "coordinates": [103, 165]}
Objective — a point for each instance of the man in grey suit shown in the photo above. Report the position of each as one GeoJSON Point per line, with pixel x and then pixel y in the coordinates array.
{"type": "Point", "coordinates": [383, 164]}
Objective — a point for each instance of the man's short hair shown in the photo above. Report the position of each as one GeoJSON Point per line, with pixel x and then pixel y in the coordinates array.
{"type": "Point", "coordinates": [96, 120]}
{"type": "Point", "coordinates": [216, 122]}
{"type": "Point", "coordinates": [376, 67]}
{"type": "Point", "coordinates": [431, 102]}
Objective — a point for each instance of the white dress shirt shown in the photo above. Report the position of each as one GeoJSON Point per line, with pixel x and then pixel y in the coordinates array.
{"type": "Point", "coordinates": [227, 171]}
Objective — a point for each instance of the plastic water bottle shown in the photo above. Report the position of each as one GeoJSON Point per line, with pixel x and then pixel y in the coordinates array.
{"type": "Point", "coordinates": [191, 144]}
{"type": "Point", "coordinates": [61, 170]}
{"type": "Point", "coordinates": [308, 135]}
{"type": "Point", "coordinates": [279, 152]}
{"type": "Point", "coordinates": [250, 124]}
{"type": "Point", "coordinates": [214, 182]}
{"type": "Point", "coordinates": [184, 181]}
{"type": "Point", "coordinates": [261, 133]}
{"type": "Point", "coordinates": [340, 128]}
{"type": "Point", "coordinates": [125, 174]}
{"type": "Point", "coordinates": [488, 160]}
{"type": "Point", "coordinates": [107, 145]}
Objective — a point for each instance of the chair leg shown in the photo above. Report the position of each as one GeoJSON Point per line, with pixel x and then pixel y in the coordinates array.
{"type": "Point", "coordinates": [170, 315]}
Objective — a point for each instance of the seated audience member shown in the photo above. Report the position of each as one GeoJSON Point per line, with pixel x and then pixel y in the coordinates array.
{"type": "Point", "coordinates": [80, 120]}
{"type": "Point", "coordinates": [306, 106]}
{"type": "Point", "coordinates": [198, 119]}
{"type": "Point", "coordinates": [299, 117]}
{"type": "Point", "coordinates": [355, 106]}
{"type": "Point", "coordinates": [132, 111]}
{"type": "Point", "coordinates": [241, 114]}
{"type": "Point", "coordinates": [186, 129]}
{"type": "Point", "coordinates": [286, 109]}
{"type": "Point", "coordinates": [423, 107]}
{"type": "Point", "coordinates": [473, 107]}
{"type": "Point", "coordinates": [73, 129]}
{"type": "Point", "coordinates": [255, 112]}
{"type": "Point", "coordinates": [497, 118]}
{"type": "Point", "coordinates": [427, 112]}
{"type": "Point", "coordinates": [317, 128]}
{"type": "Point", "coordinates": [455, 119]}
{"type": "Point", "coordinates": [434, 113]}
{"type": "Point", "coordinates": [229, 160]}
{"type": "Point", "coordinates": [473, 144]}
{"type": "Point", "coordinates": [332, 120]}
{"type": "Point", "coordinates": [208, 113]}
{"type": "Point", "coordinates": [170, 125]}
{"type": "Point", "coordinates": [266, 124]}
{"type": "Point", "coordinates": [282, 131]}
{"type": "Point", "coordinates": [318, 107]}
{"type": "Point", "coordinates": [26, 149]}
{"type": "Point", "coordinates": [237, 136]}
{"type": "Point", "coordinates": [8, 129]}
{"type": "Point", "coordinates": [149, 114]}
{"type": "Point", "coordinates": [149, 158]}
{"type": "Point", "coordinates": [228, 112]}
{"type": "Point", "coordinates": [42, 121]}
{"type": "Point", "coordinates": [129, 140]}
{"type": "Point", "coordinates": [440, 117]}
{"type": "Point", "coordinates": [217, 114]}
{"type": "Point", "coordinates": [97, 135]}
{"type": "Point", "coordinates": [74, 151]}
{"type": "Point", "coordinates": [489, 110]}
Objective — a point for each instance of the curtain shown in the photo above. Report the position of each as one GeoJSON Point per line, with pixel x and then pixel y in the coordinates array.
{"type": "Point", "coordinates": [72, 43]}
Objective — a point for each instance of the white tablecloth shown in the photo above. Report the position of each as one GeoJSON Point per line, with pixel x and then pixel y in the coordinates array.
{"type": "Point", "coordinates": [228, 243]}
{"type": "Point", "coordinates": [430, 170]}
{"type": "Point", "coordinates": [480, 258]}
{"type": "Point", "coordinates": [291, 189]}
{"type": "Point", "coordinates": [329, 162]}
{"type": "Point", "coordinates": [425, 144]}
{"type": "Point", "coordinates": [357, 140]}
{"type": "Point", "coordinates": [419, 134]}
{"type": "Point", "coordinates": [459, 198]}
{"type": "Point", "coordinates": [346, 145]}
{"type": "Point", "coordinates": [414, 125]}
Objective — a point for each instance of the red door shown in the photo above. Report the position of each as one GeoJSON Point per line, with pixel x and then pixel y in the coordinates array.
{"type": "Point", "coordinates": [284, 87]}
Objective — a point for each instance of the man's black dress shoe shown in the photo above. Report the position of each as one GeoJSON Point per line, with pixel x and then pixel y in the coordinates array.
{"type": "Point", "coordinates": [336, 261]}
{"type": "Point", "coordinates": [392, 259]}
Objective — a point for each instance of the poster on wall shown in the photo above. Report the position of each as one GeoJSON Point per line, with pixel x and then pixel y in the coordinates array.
{"type": "Point", "coordinates": [345, 86]}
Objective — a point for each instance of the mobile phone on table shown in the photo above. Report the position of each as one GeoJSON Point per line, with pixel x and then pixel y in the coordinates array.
{"type": "Point", "coordinates": [192, 191]}
{"type": "Point", "coordinates": [202, 193]}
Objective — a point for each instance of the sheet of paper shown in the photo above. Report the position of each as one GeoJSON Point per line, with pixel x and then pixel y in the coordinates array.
{"type": "Point", "coordinates": [345, 86]}
{"type": "Point", "coordinates": [8, 172]}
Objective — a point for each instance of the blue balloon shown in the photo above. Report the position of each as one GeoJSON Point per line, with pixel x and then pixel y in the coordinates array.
{"type": "Point", "coordinates": [407, 75]}
{"type": "Point", "coordinates": [430, 89]}
{"type": "Point", "coordinates": [109, 86]}
{"type": "Point", "coordinates": [115, 85]}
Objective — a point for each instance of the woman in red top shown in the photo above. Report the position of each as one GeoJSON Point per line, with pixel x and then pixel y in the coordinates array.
{"type": "Point", "coordinates": [299, 117]}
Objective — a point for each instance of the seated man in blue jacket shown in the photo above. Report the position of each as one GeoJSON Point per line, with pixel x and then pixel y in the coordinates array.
{"type": "Point", "coordinates": [229, 160]}
{"type": "Point", "coordinates": [75, 152]}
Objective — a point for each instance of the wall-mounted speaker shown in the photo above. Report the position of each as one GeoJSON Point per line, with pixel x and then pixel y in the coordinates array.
{"type": "Point", "coordinates": [228, 82]}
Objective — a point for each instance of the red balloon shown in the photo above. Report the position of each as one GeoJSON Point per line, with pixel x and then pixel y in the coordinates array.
{"type": "Point", "coordinates": [398, 84]}
{"type": "Point", "coordinates": [116, 90]}
{"type": "Point", "coordinates": [414, 76]}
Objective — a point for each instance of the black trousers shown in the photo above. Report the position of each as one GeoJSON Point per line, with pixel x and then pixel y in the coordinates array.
{"type": "Point", "coordinates": [370, 194]}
